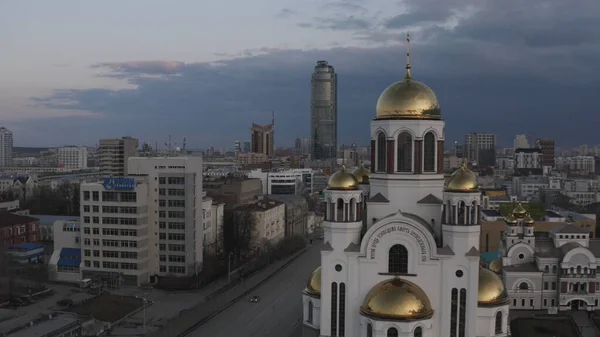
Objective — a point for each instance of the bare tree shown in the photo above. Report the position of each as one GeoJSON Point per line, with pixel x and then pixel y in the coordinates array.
{"type": "Point", "coordinates": [238, 230]}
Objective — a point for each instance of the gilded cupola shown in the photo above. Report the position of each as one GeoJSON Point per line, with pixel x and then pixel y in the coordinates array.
{"type": "Point", "coordinates": [342, 180]}
{"type": "Point", "coordinates": [397, 299]}
{"type": "Point", "coordinates": [510, 219]}
{"type": "Point", "coordinates": [519, 212]}
{"type": "Point", "coordinates": [528, 221]}
{"type": "Point", "coordinates": [492, 291]}
{"type": "Point", "coordinates": [313, 286]}
{"type": "Point", "coordinates": [462, 180]}
{"type": "Point", "coordinates": [496, 266]}
{"type": "Point", "coordinates": [408, 99]}
{"type": "Point", "coordinates": [362, 175]}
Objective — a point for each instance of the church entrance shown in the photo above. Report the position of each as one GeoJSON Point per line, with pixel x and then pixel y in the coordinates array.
{"type": "Point", "coordinates": [578, 305]}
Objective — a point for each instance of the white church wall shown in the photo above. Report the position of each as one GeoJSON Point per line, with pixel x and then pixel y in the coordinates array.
{"type": "Point", "coordinates": [486, 321]}
{"type": "Point", "coordinates": [315, 320]}
{"type": "Point", "coordinates": [381, 327]}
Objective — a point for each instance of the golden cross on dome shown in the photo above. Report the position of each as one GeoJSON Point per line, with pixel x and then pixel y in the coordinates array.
{"type": "Point", "coordinates": [408, 76]}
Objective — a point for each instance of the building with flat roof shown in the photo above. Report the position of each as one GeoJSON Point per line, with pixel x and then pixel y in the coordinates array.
{"type": "Point", "coordinates": [114, 154]}
{"type": "Point", "coordinates": [15, 229]}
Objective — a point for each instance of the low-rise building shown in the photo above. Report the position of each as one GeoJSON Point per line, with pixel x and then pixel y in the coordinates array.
{"type": "Point", "coordinates": [26, 252]}
{"type": "Point", "coordinates": [269, 221]}
{"type": "Point", "coordinates": [231, 190]}
{"type": "Point", "coordinates": [15, 229]}
{"type": "Point", "coordinates": [65, 262]}
{"type": "Point", "coordinates": [294, 181]}
{"type": "Point", "coordinates": [296, 214]}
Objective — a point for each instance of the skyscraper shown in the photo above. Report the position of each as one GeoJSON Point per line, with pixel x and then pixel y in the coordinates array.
{"type": "Point", "coordinates": [6, 147]}
{"type": "Point", "coordinates": [481, 148]}
{"type": "Point", "coordinates": [263, 138]}
{"type": "Point", "coordinates": [323, 128]}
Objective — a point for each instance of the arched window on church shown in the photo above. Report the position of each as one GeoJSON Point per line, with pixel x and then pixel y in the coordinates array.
{"type": "Point", "coordinates": [381, 153]}
{"type": "Point", "coordinates": [429, 152]}
{"type": "Point", "coordinates": [498, 325]}
{"type": "Point", "coordinates": [405, 152]}
{"type": "Point", "coordinates": [418, 332]}
{"type": "Point", "coordinates": [392, 332]}
{"type": "Point", "coordinates": [340, 210]}
{"type": "Point", "coordinates": [462, 212]}
{"type": "Point", "coordinates": [554, 269]}
{"type": "Point", "coordinates": [398, 260]}
{"type": "Point", "coordinates": [523, 286]}
{"type": "Point", "coordinates": [369, 330]}
{"type": "Point", "coordinates": [310, 312]}
{"type": "Point", "coordinates": [546, 269]}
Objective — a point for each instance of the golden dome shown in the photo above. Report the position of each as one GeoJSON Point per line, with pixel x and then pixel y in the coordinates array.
{"type": "Point", "coordinates": [519, 212]}
{"type": "Point", "coordinates": [313, 286]}
{"type": "Point", "coordinates": [510, 219]}
{"type": "Point", "coordinates": [491, 289]}
{"type": "Point", "coordinates": [529, 220]}
{"type": "Point", "coordinates": [496, 266]}
{"type": "Point", "coordinates": [397, 299]}
{"type": "Point", "coordinates": [462, 180]}
{"type": "Point", "coordinates": [408, 99]}
{"type": "Point", "coordinates": [362, 174]}
{"type": "Point", "coordinates": [342, 180]}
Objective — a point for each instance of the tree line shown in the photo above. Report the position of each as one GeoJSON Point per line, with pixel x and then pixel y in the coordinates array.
{"type": "Point", "coordinates": [64, 199]}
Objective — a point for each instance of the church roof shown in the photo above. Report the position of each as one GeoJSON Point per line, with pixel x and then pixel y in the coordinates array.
{"type": "Point", "coordinates": [472, 252]}
{"type": "Point", "coordinates": [530, 267]}
{"type": "Point", "coordinates": [569, 229]}
{"type": "Point", "coordinates": [546, 248]}
{"type": "Point", "coordinates": [378, 198]}
{"type": "Point", "coordinates": [352, 247]}
{"type": "Point", "coordinates": [430, 199]}
{"type": "Point", "coordinates": [446, 250]}
{"type": "Point", "coordinates": [567, 247]}
{"type": "Point", "coordinates": [327, 247]}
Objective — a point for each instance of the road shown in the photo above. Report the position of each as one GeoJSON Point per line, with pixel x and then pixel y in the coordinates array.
{"type": "Point", "coordinates": [279, 311]}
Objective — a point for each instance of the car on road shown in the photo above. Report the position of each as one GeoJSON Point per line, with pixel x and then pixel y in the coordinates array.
{"type": "Point", "coordinates": [254, 299]}
{"type": "Point", "coordinates": [26, 299]}
{"type": "Point", "coordinates": [17, 302]}
{"type": "Point", "coordinates": [65, 303]}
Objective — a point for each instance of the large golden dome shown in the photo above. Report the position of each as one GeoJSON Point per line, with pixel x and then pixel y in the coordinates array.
{"type": "Point", "coordinates": [491, 289]}
{"type": "Point", "coordinates": [496, 266]}
{"type": "Point", "coordinates": [408, 99]}
{"type": "Point", "coordinates": [362, 174]}
{"type": "Point", "coordinates": [342, 180]}
{"type": "Point", "coordinates": [519, 212]}
{"type": "Point", "coordinates": [397, 299]}
{"type": "Point", "coordinates": [313, 287]}
{"type": "Point", "coordinates": [462, 180]}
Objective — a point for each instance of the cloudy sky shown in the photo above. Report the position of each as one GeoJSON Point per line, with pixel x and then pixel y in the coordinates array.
{"type": "Point", "coordinates": [74, 71]}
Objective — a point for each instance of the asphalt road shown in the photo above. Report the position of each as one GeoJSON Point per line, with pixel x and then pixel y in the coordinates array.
{"type": "Point", "coordinates": [279, 311]}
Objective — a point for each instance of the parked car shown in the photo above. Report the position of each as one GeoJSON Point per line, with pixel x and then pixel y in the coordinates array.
{"type": "Point", "coordinates": [16, 302]}
{"type": "Point", "coordinates": [27, 300]}
{"type": "Point", "coordinates": [65, 303]}
{"type": "Point", "coordinates": [254, 299]}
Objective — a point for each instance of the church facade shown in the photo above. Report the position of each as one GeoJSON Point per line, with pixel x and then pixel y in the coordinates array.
{"type": "Point", "coordinates": [415, 269]}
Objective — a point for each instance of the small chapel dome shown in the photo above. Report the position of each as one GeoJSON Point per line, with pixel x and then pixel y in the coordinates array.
{"type": "Point", "coordinates": [397, 299]}
{"type": "Point", "coordinates": [528, 221]}
{"type": "Point", "coordinates": [510, 219]}
{"type": "Point", "coordinates": [362, 174]}
{"type": "Point", "coordinates": [313, 287]}
{"type": "Point", "coordinates": [462, 180]}
{"type": "Point", "coordinates": [519, 212]}
{"type": "Point", "coordinates": [491, 289]}
{"type": "Point", "coordinates": [496, 266]}
{"type": "Point", "coordinates": [342, 180]}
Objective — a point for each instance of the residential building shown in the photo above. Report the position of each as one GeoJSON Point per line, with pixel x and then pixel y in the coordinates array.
{"type": "Point", "coordinates": [6, 147]}
{"type": "Point", "coordinates": [233, 191]}
{"type": "Point", "coordinates": [269, 221]}
{"type": "Point", "coordinates": [65, 262]}
{"type": "Point", "coordinates": [579, 164]}
{"type": "Point", "coordinates": [294, 181]}
{"type": "Point", "coordinates": [481, 148]}
{"type": "Point", "coordinates": [323, 116]}
{"type": "Point", "coordinates": [263, 139]}
{"type": "Point", "coordinates": [528, 158]}
{"type": "Point", "coordinates": [73, 157]}
{"type": "Point", "coordinates": [252, 158]}
{"type": "Point", "coordinates": [529, 187]}
{"type": "Point", "coordinates": [296, 213]}
{"type": "Point", "coordinates": [16, 229]}
{"type": "Point", "coordinates": [547, 147]}
{"type": "Point", "coordinates": [115, 153]}
{"type": "Point", "coordinates": [521, 142]}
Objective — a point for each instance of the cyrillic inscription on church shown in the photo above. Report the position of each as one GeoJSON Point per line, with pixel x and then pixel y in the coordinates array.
{"type": "Point", "coordinates": [394, 229]}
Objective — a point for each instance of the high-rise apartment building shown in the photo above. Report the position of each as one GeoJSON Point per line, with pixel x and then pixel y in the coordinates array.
{"type": "Point", "coordinates": [323, 125]}
{"type": "Point", "coordinates": [263, 138]}
{"type": "Point", "coordinates": [114, 153]}
{"type": "Point", "coordinates": [521, 142]}
{"type": "Point", "coordinates": [302, 145]}
{"type": "Point", "coordinates": [481, 148]}
{"type": "Point", "coordinates": [148, 224]}
{"type": "Point", "coordinates": [6, 147]}
{"type": "Point", "coordinates": [547, 147]}
{"type": "Point", "coordinates": [73, 157]}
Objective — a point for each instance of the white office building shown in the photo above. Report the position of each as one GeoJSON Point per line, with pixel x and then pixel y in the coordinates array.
{"type": "Point", "coordinates": [294, 181]}
{"type": "Point", "coordinates": [73, 157]}
{"type": "Point", "coordinates": [528, 158]}
{"type": "Point", "coordinates": [65, 262]}
{"type": "Point", "coordinates": [6, 146]}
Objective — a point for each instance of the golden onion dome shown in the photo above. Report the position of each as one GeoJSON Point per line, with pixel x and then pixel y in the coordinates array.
{"type": "Point", "coordinates": [528, 220]}
{"type": "Point", "coordinates": [462, 180]}
{"type": "Point", "coordinates": [408, 99]}
{"type": "Point", "coordinates": [342, 180]}
{"type": "Point", "coordinates": [397, 299]}
{"type": "Point", "coordinates": [519, 212]}
{"type": "Point", "coordinates": [510, 219]}
{"type": "Point", "coordinates": [496, 266]}
{"type": "Point", "coordinates": [491, 289]}
{"type": "Point", "coordinates": [313, 287]}
{"type": "Point", "coordinates": [362, 174]}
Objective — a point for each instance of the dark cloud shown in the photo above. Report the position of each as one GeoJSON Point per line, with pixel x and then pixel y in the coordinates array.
{"type": "Point", "coordinates": [337, 23]}
{"type": "Point", "coordinates": [498, 70]}
{"type": "Point", "coordinates": [348, 6]}
{"type": "Point", "coordinates": [286, 13]}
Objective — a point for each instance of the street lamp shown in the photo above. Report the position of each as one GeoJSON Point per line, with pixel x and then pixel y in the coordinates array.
{"type": "Point", "coordinates": [144, 301]}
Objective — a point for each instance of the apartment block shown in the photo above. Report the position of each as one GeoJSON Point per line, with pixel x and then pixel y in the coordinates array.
{"type": "Point", "coordinates": [114, 154]}
{"type": "Point", "coordinates": [73, 157]}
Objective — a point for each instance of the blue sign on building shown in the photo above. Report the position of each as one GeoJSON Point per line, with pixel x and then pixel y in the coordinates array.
{"type": "Point", "coordinates": [119, 184]}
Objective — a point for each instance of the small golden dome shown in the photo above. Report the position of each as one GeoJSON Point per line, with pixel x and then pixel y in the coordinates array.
{"type": "Point", "coordinates": [491, 289]}
{"type": "Point", "coordinates": [397, 299]}
{"type": "Point", "coordinates": [519, 212]}
{"type": "Point", "coordinates": [313, 286]}
{"type": "Point", "coordinates": [510, 219]}
{"type": "Point", "coordinates": [528, 220]}
{"type": "Point", "coordinates": [362, 174]}
{"type": "Point", "coordinates": [462, 180]}
{"type": "Point", "coordinates": [496, 266]}
{"type": "Point", "coordinates": [408, 99]}
{"type": "Point", "coordinates": [342, 180]}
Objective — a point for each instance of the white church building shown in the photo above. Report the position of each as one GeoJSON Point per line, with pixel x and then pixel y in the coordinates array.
{"type": "Point", "coordinates": [416, 270]}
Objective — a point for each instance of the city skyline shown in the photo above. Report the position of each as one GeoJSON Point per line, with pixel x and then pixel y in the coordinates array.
{"type": "Point", "coordinates": [496, 68]}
